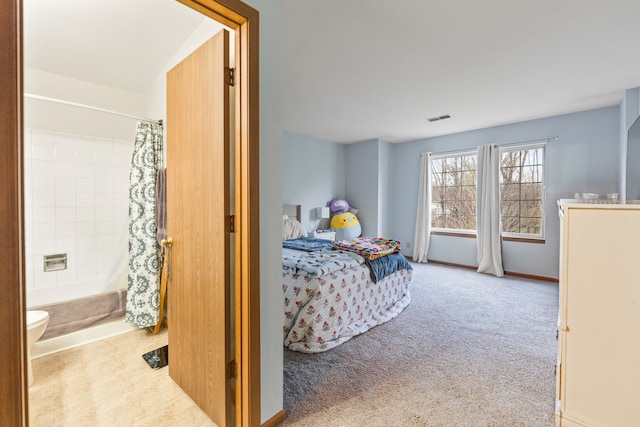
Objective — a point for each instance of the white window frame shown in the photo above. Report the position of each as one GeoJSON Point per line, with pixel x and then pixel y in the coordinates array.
{"type": "Point", "coordinates": [503, 149]}
{"type": "Point", "coordinates": [444, 156]}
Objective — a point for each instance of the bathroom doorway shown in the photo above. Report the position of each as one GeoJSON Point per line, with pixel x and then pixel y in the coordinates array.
{"type": "Point", "coordinates": [13, 393]}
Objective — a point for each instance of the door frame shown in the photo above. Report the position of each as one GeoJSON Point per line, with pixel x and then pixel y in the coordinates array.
{"type": "Point", "coordinates": [244, 20]}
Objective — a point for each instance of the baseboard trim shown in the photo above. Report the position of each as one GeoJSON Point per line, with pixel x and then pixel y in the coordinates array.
{"type": "Point", "coordinates": [276, 419]}
{"type": "Point", "coordinates": [508, 273]}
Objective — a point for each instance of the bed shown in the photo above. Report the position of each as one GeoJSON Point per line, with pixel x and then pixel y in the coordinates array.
{"type": "Point", "coordinates": [332, 292]}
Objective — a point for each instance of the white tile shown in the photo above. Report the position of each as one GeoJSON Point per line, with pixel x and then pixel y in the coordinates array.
{"type": "Point", "coordinates": [104, 158]}
{"type": "Point", "coordinates": [121, 207]}
{"type": "Point", "coordinates": [66, 230]}
{"type": "Point", "coordinates": [65, 200]}
{"type": "Point", "coordinates": [121, 172]}
{"type": "Point", "coordinates": [104, 200]}
{"type": "Point", "coordinates": [104, 242]}
{"type": "Point", "coordinates": [85, 155]}
{"type": "Point", "coordinates": [27, 168]}
{"type": "Point", "coordinates": [28, 199]}
{"type": "Point", "coordinates": [42, 183]}
{"type": "Point", "coordinates": [43, 168]}
{"type": "Point", "coordinates": [87, 243]}
{"type": "Point", "coordinates": [121, 188]}
{"type": "Point", "coordinates": [37, 263]}
{"type": "Point", "coordinates": [86, 170]}
{"type": "Point", "coordinates": [66, 215]}
{"type": "Point", "coordinates": [86, 228]}
{"type": "Point", "coordinates": [39, 136]}
{"type": "Point", "coordinates": [63, 140]}
{"type": "Point", "coordinates": [104, 214]}
{"type": "Point", "coordinates": [29, 280]}
{"type": "Point", "coordinates": [104, 145]}
{"type": "Point", "coordinates": [87, 272]}
{"type": "Point", "coordinates": [70, 275]}
{"type": "Point", "coordinates": [28, 215]}
{"type": "Point", "coordinates": [65, 184]}
{"type": "Point", "coordinates": [104, 228]}
{"type": "Point", "coordinates": [87, 257]}
{"type": "Point", "coordinates": [104, 268]}
{"type": "Point", "coordinates": [65, 154]}
{"type": "Point", "coordinates": [103, 185]}
{"type": "Point", "coordinates": [86, 214]}
{"type": "Point", "coordinates": [44, 215]}
{"type": "Point", "coordinates": [66, 244]}
{"type": "Point", "coordinates": [28, 264]}
{"type": "Point", "coordinates": [104, 172]}
{"type": "Point", "coordinates": [86, 185]}
{"type": "Point", "coordinates": [40, 199]}
{"type": "Point", "coordinates": [44, 246]}
{"type": "Point", "coordinates": [46, 230]}
{"type": "Point", "coordinates": [42, 152]}
{"type": "Point", "coordinates": [86, 200]}
{"type": "Point", "coordinates": [28, 233]}
{"type": "Point", "coordinates": [65, 169]}
{"type": "Point", "coordinates": [44, 279]}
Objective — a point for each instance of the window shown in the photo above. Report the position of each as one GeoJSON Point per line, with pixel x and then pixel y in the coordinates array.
{"type": "Point", "coordinates": [453, 192]}
{"type": "Point", "coordinates": [522, 191]}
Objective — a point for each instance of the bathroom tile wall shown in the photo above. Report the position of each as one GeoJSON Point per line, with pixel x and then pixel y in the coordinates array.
{"type": "Point", "coordinates": [76, 202]}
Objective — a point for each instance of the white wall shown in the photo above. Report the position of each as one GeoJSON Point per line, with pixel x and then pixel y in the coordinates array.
{"type": "Point", "coordinates": [56, 117]}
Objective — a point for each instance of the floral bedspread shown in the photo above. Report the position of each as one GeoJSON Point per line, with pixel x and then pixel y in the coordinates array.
{"type": "Point", "coordinates": [369, 247]}
{"type": "Point", "coordinates": [315, 264]}
{"type": "Point", "coordinates": [323, 312]}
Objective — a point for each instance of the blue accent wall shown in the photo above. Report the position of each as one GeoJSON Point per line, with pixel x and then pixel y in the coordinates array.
{"type": "Point", "coordinates": [381, 179]}
{"type": "Point", "coordinates": [313, 172]}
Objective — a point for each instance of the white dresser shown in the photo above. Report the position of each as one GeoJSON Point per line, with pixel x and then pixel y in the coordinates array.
{"type": "Point", "coordinates": [598, 372]}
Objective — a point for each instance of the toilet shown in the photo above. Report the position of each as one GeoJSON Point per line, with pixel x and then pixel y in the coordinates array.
{"type": "Point", "coordinates": [37, 321]}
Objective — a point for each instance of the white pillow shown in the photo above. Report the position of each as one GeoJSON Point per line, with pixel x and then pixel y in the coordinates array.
{"type": "Point", "coordinates": [292, 229]}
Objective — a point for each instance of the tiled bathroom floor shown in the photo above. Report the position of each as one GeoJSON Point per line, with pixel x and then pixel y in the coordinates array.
{"type": "Point", "coordinates": [107, 383]}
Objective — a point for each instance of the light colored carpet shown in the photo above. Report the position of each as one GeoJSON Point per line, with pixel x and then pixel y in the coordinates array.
{"type": "Point", "coordinates": [470, 350]}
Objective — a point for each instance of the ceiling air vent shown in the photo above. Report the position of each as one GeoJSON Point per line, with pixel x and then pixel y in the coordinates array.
{"type": "Point", "coordinates": [435, 119]}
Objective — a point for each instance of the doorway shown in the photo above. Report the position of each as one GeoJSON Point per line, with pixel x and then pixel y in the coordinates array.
{"type": "Point", "coordinates": [13, 390]}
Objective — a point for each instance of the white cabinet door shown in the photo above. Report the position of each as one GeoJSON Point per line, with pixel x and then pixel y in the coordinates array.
{"type": "Point", "coordinates": [599, 382]}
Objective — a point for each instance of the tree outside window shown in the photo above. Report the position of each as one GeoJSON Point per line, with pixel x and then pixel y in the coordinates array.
{"type": "Point", "coordinates": [453, 197]}
{"type": "Point", "coordinates": [453, 192]}
{"type": "Point", "coordinates": [522, 191]}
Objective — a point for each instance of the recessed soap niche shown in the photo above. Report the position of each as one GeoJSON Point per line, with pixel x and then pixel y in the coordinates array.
{"type": "Point", "coordinates": [55, 262]}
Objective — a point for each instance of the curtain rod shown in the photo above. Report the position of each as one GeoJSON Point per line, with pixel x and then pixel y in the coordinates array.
{"type": "Point", "coordinates": [89, 107]}
{"type": "Point", "coordinates": [507, 144]}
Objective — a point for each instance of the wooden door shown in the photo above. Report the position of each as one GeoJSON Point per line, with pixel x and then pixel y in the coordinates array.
{"type": "Point", "coordinates": [198, 209]}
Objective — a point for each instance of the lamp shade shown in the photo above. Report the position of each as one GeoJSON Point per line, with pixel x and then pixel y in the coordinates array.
{"type": "Point", "coordinates": [322, 212]}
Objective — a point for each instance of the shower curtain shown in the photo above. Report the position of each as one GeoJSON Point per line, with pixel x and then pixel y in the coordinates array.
{"type": "Point", "coordinates": [143, 292]}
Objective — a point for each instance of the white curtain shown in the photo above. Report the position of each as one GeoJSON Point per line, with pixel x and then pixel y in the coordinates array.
{"type": "Point", "coordinates": [423, 215]}
{"type": "Point", "coordinates": [488, 211]}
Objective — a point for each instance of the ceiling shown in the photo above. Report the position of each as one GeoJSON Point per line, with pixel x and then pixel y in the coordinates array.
{"type": "Point", "coordinates": [373, 69]}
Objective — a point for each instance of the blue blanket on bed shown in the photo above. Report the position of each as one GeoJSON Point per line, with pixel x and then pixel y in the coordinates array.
{"type": "Point", "coordinates": [386, 265]}
{"type": "Point", "coordinates": [308, 244]}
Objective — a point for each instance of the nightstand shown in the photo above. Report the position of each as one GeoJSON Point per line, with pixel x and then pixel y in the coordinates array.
{"type": "Point", "coordinates": [324, 234]}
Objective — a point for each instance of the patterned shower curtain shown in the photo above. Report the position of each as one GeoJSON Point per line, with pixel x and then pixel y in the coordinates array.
{"type": "Point", "coordinates": [143, 293]}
